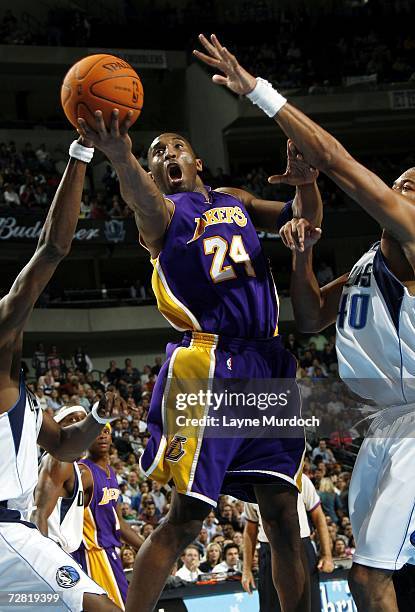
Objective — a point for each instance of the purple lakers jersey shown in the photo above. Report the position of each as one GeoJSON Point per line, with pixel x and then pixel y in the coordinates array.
{"type": "Point", "coordinates": [101, 525]}
{"type": "Point", "coordinates": [211, 274]}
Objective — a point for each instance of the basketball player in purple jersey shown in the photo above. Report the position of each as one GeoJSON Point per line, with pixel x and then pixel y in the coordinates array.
{"type": "Point", "coordinates": [103, 523]}
{"type": "Point", "coordinates": [212, 282]}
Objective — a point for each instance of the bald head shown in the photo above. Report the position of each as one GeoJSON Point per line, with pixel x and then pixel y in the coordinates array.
{"type": "Point", "coordinates": [173, 163]}
{"type": "Point", "coordinates": [166, 136]}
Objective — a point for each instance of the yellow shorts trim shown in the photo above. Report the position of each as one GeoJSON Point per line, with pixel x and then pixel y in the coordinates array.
{"type": "Point", "coordinates": [190, 369]}
{"type": "Point", "coordinates": [100, 570]}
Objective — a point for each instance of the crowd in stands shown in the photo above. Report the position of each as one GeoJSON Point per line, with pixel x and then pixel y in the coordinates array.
{"type": "Point", "coordinates": [29, 176]}
{"type": "Point", "coordinates": [312, 45]}
{"type": "Point", "coordinates": [59, 380]}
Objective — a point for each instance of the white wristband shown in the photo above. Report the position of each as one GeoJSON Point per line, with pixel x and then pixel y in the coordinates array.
{"type": "Point", "coordinates": [266, 97]}
{"type": "Point", "coordinates": [101, 420]}
{"type": "Point", "coordinates": [80, 152]}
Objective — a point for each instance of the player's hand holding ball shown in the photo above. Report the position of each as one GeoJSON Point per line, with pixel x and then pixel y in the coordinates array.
{"type": "Point", "coordinates": [102, 96]}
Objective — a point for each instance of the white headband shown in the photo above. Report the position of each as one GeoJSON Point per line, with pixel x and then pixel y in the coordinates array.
{"type": "Point", "coordinates": [64, 412]}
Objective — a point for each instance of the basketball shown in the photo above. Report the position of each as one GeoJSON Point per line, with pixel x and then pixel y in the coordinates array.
{"type": "Point", "coordinates": [101, 82]}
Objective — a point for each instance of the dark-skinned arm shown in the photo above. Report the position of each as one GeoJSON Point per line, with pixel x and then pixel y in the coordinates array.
{"type": "Point", "coordinates": [69, 443]}
{"type": "Point", "coordinates": [128, 535]}
{"type": "Point", "coordinates": [250, 538]}
{"type": "Point", "coordinates": [314, 308]}
{"type": "Point", "coordinates": [389, 208]}
{"type": "Point", "coordinates": [265, 213]}
{"type": "Point", "coordinates": [318, 518]}
{"type": "Point", "coordinates": [52, 477]}
{"type": "Point", "coordinates": [152, 211]}
{"type": "Point", "coordinates": [393, 211]}
{"type": "Point", "coordinates": [53, 246]}
{"type": "Point", "coordinates": [87, 483]}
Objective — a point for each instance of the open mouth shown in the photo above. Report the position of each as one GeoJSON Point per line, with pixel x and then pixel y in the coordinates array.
{"type": "Point", "coordinates": [174, 172]}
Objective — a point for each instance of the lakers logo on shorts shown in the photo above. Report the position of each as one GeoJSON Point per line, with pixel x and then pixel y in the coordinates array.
{"type": "Point", "coordinates": [175, 449]}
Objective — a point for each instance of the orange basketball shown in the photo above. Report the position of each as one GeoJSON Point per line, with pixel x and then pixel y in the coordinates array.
{"type": "Point", "coordinates": [101, 82]}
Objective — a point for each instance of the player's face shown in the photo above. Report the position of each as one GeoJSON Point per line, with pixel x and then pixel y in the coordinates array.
{"type": "Point", "coordinates": [173, 164]}
{"type": "Point", "coordinates": [405, 184]}
{"type": "Point", "coordinates": [101, 444]}
{"type": "Point", "coordinates": [73, 418]}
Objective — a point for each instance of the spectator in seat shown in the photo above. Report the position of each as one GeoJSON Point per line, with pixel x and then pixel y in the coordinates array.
{"type": "Point", "coordinates": [146, 530]}
{"type": "Point", "coordinates": [201, 541]}
{"type": "Point", "coordinates": [127, 555]}
{"type": "Point", "coordinates": [319, 342]}
{"type": "Point", "coordinates": [113, 373]}
{"type": "Point", "coordinates": [54, 360]}
{"type": "Point", "coordinates": [53, 400]}
{"type": "Point", "coordinates": [39, 362]}
{"type": "Point", "coordinates": [40, 196]}
{"type": "Point", "coordinates": [82, 361]}
{"type": "Point", "coordinates": [191, 561]}
{"type": "Point", "coordinates": [228, 515]}
{"type": "Point", "coordinates": [150, 514]}
{"type": "Point", "coordinates": [158, 496]}
{"type": "Point", "coordinates": [10, 195]}
{"type": "Point", "coordinates": [330, 501]}
{"type": "Point", "coordinates": [232, 562]}
{"type": "Point", "coordinates": [41, 397]}
{"type": "Point", "coordinates": [136, 441]}
{"type": "Point", "coordinates": [325, 453]}
{"type": "Point", "coordinates": [145, 376]}
{"type": "Point", "coordinates": [157, 367]}
{"type": "Point", "coordinates": [130, 374]}
{"type": "Point", "coordinates": [133, 484]}
{"type": "Point", "coordinates": [213, 558]}
{"type": "Point", "coordinates": [339, 550]}
{"type": "Point", "coordinates": [211, 524]}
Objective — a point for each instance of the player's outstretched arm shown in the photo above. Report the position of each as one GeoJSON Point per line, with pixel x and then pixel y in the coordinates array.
{"type": "Point", "coordinates": [266, 214]}
{"type": "Point", "coordinates": [393, 211]}
{"type": "Point", "coordinates": [52, 477]}
{"type": "Point", "coordinates": [314, 308]}
{"type": "Point", "coordinates": [54, 244]}
{"type": "Point", "coordinates": [69, 443]}
{"type": "Point", "coordinates": [151, 210]}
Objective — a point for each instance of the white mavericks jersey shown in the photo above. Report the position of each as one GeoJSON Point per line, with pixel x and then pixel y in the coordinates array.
{"type": "Point", "coordinates": [65, 524]}
{"type": "Point", "coordinates": [19, 429]}
{"type": "Point", "coordinates": [375, 339]}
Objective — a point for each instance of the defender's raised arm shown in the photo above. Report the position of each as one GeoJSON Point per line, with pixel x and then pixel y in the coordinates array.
{"type": "Point", "coordinates": [394, 212]}
{"type": "Point", "coordinates": [54, 244]}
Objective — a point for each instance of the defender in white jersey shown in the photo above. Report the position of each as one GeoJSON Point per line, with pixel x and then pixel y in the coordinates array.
{"type": "Point", "coordinates": [375, 310]}
{"type": "Point", "coordinates": [59, 495]}
{"type": "Point", "coordinates": [29, 562]}
{"type": "Point", "coordinates": [375, 331]}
